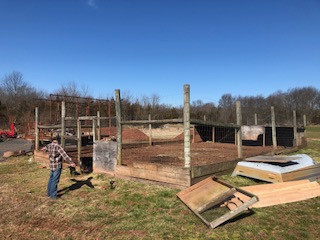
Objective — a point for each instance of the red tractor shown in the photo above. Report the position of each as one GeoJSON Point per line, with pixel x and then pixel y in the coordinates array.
{"type": "Point", "coordinates": [9, 134]}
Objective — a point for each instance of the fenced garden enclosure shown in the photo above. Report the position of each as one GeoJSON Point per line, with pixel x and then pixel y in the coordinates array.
{"type": "Point", "coordinates": [76, 122]}
{"type": "Point", "coordinates": [176, 151]}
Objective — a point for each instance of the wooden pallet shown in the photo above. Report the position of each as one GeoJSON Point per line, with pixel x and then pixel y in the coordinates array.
{"type": "Point", "coordinates": [208, 197]}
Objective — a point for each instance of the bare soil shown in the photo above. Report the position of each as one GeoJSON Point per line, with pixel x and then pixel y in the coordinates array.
{"type": "Point", "coordinates": [201, 153]}
{"type": "Point", "coordinates": [168, 148]}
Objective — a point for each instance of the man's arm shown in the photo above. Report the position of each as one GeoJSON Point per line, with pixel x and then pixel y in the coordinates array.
{"type": "Point", "coordinates": [65, 156]}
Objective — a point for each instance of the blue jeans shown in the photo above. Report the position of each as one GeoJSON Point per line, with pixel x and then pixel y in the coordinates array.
{"type": "Point", "coordinates": [53, 183]}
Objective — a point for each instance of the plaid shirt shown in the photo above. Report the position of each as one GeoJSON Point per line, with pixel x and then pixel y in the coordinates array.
{"type": "Point", "coordinates": [56, 153]}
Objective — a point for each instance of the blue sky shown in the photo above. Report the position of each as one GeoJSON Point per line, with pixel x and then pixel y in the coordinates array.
{"type": "Point", "coordinates": [145, 47]}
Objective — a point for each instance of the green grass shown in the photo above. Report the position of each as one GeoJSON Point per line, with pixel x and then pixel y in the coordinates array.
{"type": "Point", "coordinates": [313, 132]}
{"type": "Point", "coordinates": [133, 210]}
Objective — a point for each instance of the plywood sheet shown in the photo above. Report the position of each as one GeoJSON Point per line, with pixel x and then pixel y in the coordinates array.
{"type": "Point", "coordinates": [279, 193]}
{"type": "Point", "coordinates": [201, 193]}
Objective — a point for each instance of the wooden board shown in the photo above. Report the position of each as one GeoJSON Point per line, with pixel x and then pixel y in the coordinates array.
{"type": "Point", "coordinates": [272, 159]}
{"type": "Point", "coordinates": [156, 172]}
{"type": "Point", "coordinates": [201, 193]}
{"type": "Point", "coordinates": [279, 193]}
{"type": "Point", "coordinates": [43, 157]}
{"type": "Point", "coordinates": [257, 174]}
{"type": "Point", "coordinates": [212, 169]}
{"type": "Point", "coordinates": [311, 172]}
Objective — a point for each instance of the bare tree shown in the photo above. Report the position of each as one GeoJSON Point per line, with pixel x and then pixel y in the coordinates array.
{"type": "Point", "coordinates": [305, 100]}
{"type": "Point", "coordinates": [17, 96]}
{"type": "Point", "coordinates": [227, 108]}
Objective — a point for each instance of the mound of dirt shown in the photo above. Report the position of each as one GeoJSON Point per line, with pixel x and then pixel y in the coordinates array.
{"type": "Point", "coordinates": [194, 137]}
{"type": "Point", "coordinates": [108, 131]}
{"type": "Point", "coordinates": [134, 134]}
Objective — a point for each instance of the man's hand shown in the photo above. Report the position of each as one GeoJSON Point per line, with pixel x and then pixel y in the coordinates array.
{"type": "Point", "coordinates": [73, 165]}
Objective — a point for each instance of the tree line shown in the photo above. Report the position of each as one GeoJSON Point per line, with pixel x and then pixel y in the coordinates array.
{"type": "Point", "coordinates": [18, 100]}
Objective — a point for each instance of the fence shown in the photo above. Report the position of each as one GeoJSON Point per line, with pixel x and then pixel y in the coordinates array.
{"type": "Point", "coordinates": [196, 146]}
{"type": "Point", "coordinates": [154, 140]}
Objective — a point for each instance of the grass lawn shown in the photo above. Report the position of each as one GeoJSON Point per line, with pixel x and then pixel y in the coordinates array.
{"type": "Point", "coordinates": [89, 209]}
{"type": "Point", "coordinates": [313, 132]}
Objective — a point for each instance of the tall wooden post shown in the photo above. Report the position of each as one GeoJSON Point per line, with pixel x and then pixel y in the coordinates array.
{"type": "Point", "coordinates": [264, 137]}
{"type": "Point", "coordinates": [109, 115]}
{"type": "Point", "coordinates": [193, 133]}
{"type": "Point", "coordinates": [150, 130]}
{"type": "Point", "coordinates": [295, 131]}
{"type": "Point", "coordinates": [94, 129]}
{"type": "Point", "coordinates": [119, 126]}
{"type": "Point", "coordinates": [255, 119]}
{"type": "Point", "coordinates": [305, 124]}
{"type": "Point", "coordinates": [274, 130]}
{"type": "Point", "coordinates": [36, 128]}
{"type": "Point", "coordinates": [50, 110]}
{"type": "Point", "coordinates": [186, 126]}
{"type": "Point", "coordinates": [213, 134]}
{"type": "Point", "coordinates": [63, 123]}
{"type": "Point", "coordinates": [98, 126]}
{"type": "Point", "coordinates": [79, 140]}
{"type": "Point", "coordinates": [239, 136]}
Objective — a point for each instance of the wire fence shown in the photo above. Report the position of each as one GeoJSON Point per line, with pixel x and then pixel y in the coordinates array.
{"type": "Point", "coordinates": [154, 133]}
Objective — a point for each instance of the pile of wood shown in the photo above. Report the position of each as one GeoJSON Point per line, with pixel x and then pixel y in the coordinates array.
{"type": "Point", "coordinates": [293, 178]}
{"type": "Point", "coordinates": [211, 196]}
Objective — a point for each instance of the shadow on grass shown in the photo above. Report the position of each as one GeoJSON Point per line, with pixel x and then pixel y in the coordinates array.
{"type": "Point", "coordinates": [242, 215]}
{"type": "Point", "coordinates": [77, 185]}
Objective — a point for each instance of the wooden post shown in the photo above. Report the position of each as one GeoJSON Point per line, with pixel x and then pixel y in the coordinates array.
{"type": "Point", "coordinates": [193, 133]}
{"type": "Point", "coordinates": [213, 134]}
{"type": "Point", "coordinates": [50, 110]}
{"type": "Point", "coordinates": [305, 125]}
{"type": "Point", "coordinates": [98, 126]}
{"type": "Point", "coordinates": [264, 137]}
{"type": "Point", "coordinates": [274, 130]}
{"type": "Point", "coordinates": [119, 126]}
{"type": "Point", "coordinates": [79, 138]}
{"type": "Point", "coordinates": [186, 126]}
{"type": "Point", "coordinates": [150, 131]}
{"type": "Point", "coordinates": [255, 119]}
{"type": "Point", "coordinates": [63, 123]}
{"type": "Point", "coordinates": [239, 136]}
{"type": "Point", "coordinates": [295, 131]}
{"type": "Point", "coordinates": [109, 115]}
{"type": "Point", "coordinates": [36, 129]}
{"type": "Point", "coordinates": [94, 129]}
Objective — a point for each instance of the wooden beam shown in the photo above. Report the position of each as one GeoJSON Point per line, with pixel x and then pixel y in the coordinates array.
{"type": "Point", "coordinates": [119, 127]}
{"type": "Point", "coordinates": [186, 126]}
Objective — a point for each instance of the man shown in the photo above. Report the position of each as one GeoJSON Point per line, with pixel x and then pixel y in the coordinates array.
{"type": "Point", "coordinates": [56, 153]}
